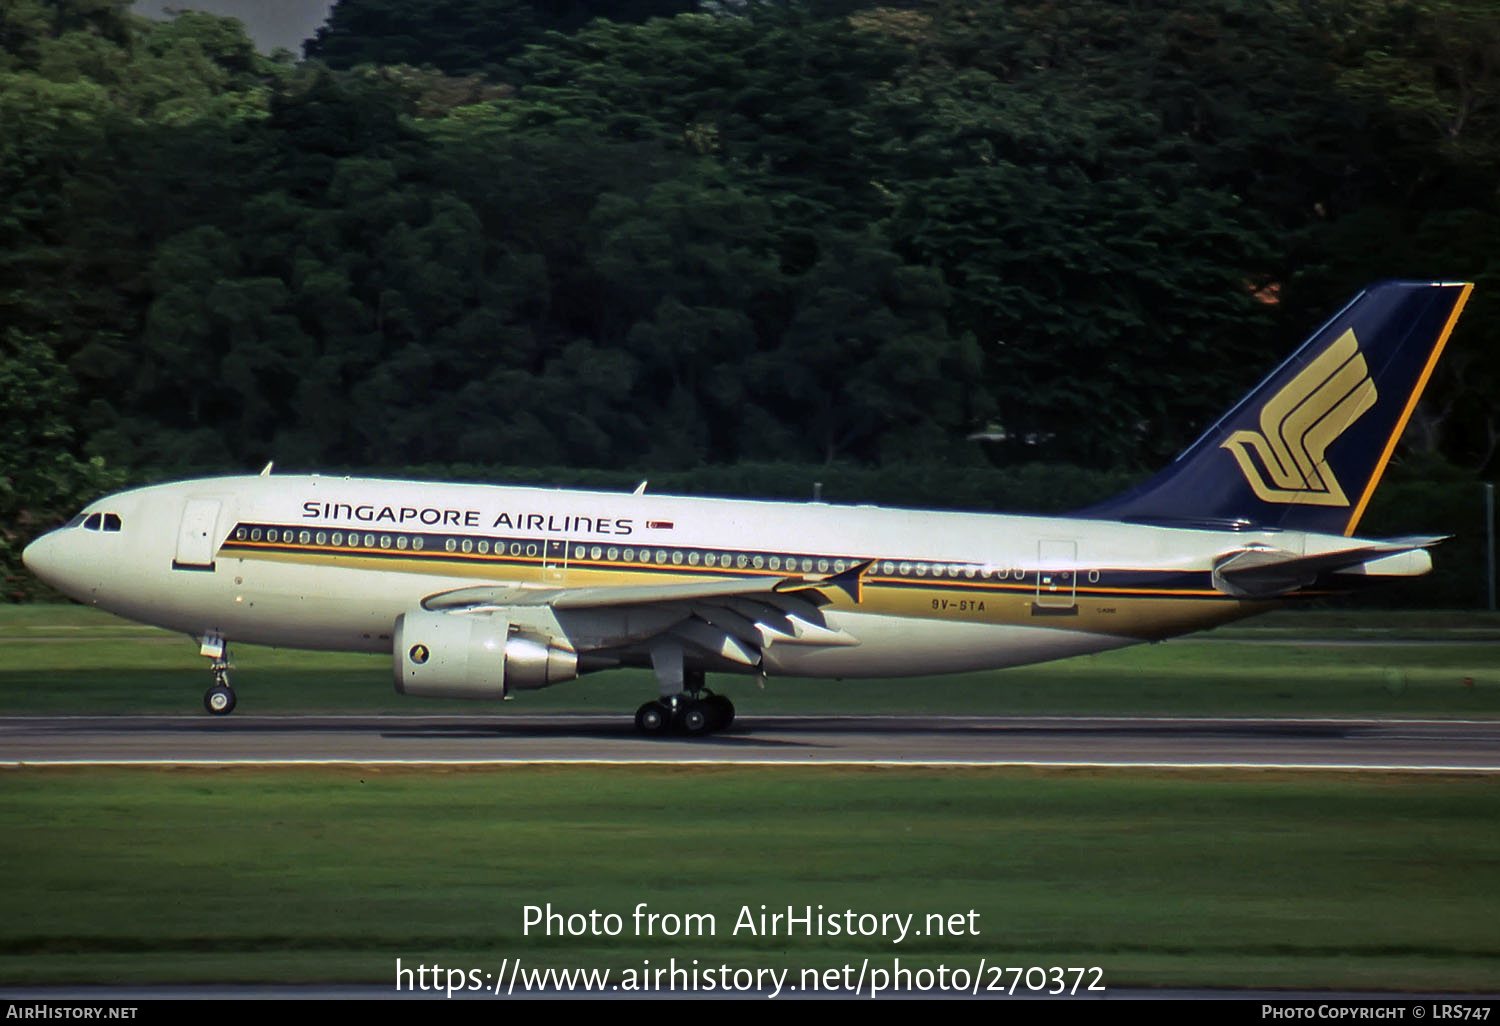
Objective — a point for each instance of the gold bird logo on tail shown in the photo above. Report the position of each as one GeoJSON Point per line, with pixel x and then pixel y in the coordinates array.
{"type": "Point", "coordinates": [1300, 422]}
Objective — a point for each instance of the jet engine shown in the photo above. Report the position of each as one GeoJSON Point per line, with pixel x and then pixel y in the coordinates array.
{"type": "Point", "coordinates": [475, 655]}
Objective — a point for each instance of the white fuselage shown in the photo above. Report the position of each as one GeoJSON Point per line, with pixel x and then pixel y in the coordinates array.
{"type": "Point", "coordinates": [330, 563]}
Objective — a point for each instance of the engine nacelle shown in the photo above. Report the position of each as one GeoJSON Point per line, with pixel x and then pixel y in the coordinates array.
{"type": "Point", "coordinates": [474, 655]}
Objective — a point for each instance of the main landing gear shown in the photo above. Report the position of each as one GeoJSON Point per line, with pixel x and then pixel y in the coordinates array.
{"type": "Point", "coordinates": [685, 705]}
{"type": "Point", "coordinates": [219, 699]}
{"type": "Point", "coordinates": [692, 714]}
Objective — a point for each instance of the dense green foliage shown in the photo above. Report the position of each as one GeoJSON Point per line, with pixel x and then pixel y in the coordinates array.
{"type": "Point", "coordinates": [701, 235]}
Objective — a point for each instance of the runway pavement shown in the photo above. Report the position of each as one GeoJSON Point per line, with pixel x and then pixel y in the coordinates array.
{"type": "Point", "coordinates": [1349, 744]}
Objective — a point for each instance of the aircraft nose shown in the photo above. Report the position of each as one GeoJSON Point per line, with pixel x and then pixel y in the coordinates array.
{"type": "Point", "coordinates": [43, 558]}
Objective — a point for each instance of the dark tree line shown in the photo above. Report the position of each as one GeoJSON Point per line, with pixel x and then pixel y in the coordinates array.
{"type": "Point", "coordinates": [512, 233]}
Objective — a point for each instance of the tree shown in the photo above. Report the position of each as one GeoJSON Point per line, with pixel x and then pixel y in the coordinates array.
{"type": "Point", "coordinates": [41, 481]}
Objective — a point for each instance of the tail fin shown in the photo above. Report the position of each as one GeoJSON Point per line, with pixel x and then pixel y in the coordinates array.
{"type": "Point", "coordinates": [1305, 450]}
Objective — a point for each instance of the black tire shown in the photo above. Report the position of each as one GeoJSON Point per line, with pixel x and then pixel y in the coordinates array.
{"type": "Point", "coordinates": [697, 719]}
{"type": "Point", "coordinates": [723, 712]}
{"type": "Point", "coordinates": [219, 700]}
{"type": "Point", "coordinates": [651, 718]}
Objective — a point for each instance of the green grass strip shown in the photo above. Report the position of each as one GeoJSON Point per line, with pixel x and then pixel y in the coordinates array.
{"type": "Point", "coordinates": [68, 660]}
{"type": "Point", "coordinates": [1191, 878]}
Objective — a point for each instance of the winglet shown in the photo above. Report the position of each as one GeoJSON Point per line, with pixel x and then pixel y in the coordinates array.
{"type": "Point", "coordinates": [852, 581]}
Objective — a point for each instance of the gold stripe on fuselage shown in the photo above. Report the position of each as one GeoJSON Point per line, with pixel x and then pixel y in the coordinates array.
{"type": "Point", "coordinates": [1135, 612]}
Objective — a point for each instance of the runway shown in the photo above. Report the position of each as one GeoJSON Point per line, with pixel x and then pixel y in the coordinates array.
{"type": "Point", "coordinates": [1312, 744]}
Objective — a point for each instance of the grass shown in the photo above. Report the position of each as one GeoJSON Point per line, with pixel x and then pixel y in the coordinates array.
{"type": "Point", "coordinates": [59, 659]}
{"type": "Point", "coordinates": [1193, 878]}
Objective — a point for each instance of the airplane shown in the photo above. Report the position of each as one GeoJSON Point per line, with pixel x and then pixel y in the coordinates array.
{"type": "Point", "coordinates": [481, 591]}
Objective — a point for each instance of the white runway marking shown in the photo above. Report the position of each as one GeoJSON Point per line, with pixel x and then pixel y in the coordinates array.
{"type": "Point", "coordinates": [831, 763]}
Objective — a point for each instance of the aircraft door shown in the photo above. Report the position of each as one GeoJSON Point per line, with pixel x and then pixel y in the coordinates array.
{"type": "Point", "coordinates": [1057, 574]}
{"type": "Point", "coordinates": [197, 535]}
{"type": "Point", "coordinates": [555, 562]}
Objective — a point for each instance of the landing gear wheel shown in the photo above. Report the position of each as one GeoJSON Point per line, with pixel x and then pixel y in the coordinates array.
{"type": "Point", "coordinates": [652, 718]}
{"type": "Point", "coordinates": [721, 711]}
{"type": "Point", "coordinates": [696, 719]}
{"type": "Point", "coordinates": [219, 700]}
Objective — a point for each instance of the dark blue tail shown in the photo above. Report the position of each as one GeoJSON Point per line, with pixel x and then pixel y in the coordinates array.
{"type": "Point", "coordinates": [1305, 450]}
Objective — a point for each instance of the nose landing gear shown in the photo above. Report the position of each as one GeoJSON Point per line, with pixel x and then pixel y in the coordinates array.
{"type": "Point", "coordinates": [219, 699]}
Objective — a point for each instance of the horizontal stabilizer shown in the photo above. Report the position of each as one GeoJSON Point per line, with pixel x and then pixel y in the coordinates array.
{"type": "Point", "coordinates": [1264, 572]}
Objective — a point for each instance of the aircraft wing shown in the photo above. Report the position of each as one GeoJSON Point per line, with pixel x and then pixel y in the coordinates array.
{"type": "Point", "coordinates": [1264, 572]}
{"type": "Point", "coordinates": [734, 618]}
{"type": "Point", "coordinates": [634, 595]}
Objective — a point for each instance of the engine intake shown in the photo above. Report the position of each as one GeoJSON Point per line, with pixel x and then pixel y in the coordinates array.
{"type": "Point", "coordinates": [475, 655]}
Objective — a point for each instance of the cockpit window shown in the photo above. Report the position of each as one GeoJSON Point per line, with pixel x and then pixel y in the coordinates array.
{"type": "Point", "coordinates": [98, 521]}
{"type": "Point", "coordinates": [93, 522]}
{"type": "Point", "coordinates": [111, 521]}
{"type": "Point", "coordinates": [75, 522]}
